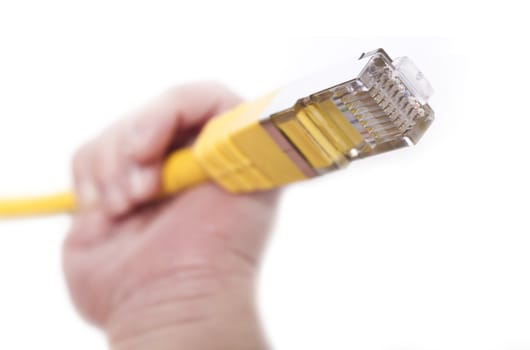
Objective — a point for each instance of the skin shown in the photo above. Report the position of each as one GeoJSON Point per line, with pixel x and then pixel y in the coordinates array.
{"type": "Point", "coordinates": [176, 274]}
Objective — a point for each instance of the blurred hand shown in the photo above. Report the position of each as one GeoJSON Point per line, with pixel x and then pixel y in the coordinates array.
{"type": "Point", "coordinates": [177, 274]}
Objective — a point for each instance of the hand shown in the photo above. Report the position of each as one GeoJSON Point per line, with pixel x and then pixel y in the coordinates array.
{"type": "Point", "coordinates": [178, 274]}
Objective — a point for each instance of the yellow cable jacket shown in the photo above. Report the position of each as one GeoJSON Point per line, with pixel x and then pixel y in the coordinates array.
{"type": "Point", "coordinates": [180, 171]}
{"type": "Point", "coordinates": [45, 205]}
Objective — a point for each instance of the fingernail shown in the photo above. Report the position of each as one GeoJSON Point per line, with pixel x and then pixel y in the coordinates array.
{"type": "Point", "coordinates": [117, 201]}
{"type": "Point", "coordinates": [88, 193]}
{"type": "Point", "coordinates": [139, 182]}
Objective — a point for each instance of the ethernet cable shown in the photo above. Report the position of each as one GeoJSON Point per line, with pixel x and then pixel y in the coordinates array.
{"type": "Point", "coordinates": [373, 105]}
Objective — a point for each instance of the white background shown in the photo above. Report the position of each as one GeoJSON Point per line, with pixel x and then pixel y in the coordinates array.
{"type": "Point", "coordinates": [424, 248]}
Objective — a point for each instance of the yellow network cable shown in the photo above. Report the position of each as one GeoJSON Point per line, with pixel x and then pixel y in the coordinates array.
{"type": "Point", "coordinates": [375, 104]}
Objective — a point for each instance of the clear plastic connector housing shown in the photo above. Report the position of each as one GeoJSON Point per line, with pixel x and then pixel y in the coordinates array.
{"type": "Point", "coordinates": [383, 109]}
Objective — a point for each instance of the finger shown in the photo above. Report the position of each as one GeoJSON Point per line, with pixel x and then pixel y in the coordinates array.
{"type": "Point", "coordinates": [110, 173]}
{"type": "Point", "coordinates": [143, 182]}
{"type": "Point", "coordinates": [153, 129]}
{"type": "Point", "coordinates": [86, 189]}
{"type": "Point", "coordinates": [169, 121]}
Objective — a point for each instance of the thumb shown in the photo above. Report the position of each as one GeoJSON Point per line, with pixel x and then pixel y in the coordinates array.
{"type": "Point", "coordinates": [185, 108]}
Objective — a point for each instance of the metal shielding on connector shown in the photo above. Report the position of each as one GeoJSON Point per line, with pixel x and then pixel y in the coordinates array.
{"type": "Point", "coordinates": [383, 108]}
{"type": "Point", "coordinates": [288, 148]}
